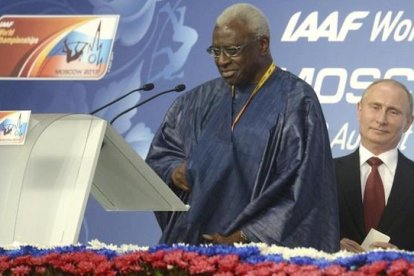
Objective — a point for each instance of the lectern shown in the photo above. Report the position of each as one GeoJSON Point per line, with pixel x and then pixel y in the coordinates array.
{"type": "Point", "coordinates": [45, 183]}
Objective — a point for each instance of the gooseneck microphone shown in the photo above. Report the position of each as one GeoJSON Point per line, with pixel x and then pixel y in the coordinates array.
{"type": "Point", "coordinates": [178, 88]}
{"type": "Point", "coordinates": [145, 87]}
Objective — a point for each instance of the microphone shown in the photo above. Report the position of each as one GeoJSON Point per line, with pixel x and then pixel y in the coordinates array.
{"type": "Point", "coordinates": [178, 88]}
{"type": "Point", "coordinates": [145, 87]}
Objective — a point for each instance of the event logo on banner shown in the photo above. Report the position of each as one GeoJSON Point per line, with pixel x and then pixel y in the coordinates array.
{"type": "Point", "coordinates": [14, 126]}
{"type": "Point", "coordinates": [56, 47]}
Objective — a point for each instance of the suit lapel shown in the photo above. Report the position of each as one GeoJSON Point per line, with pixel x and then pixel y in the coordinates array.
{"type": "Point", "coordinates": [401, 191]}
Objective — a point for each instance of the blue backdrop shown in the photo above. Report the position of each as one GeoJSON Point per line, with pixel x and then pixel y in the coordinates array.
{"type": "Point", "coordinates": [336, 46]}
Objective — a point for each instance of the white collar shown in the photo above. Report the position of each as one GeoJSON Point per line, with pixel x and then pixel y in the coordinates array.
{"type": "Point", "coordinates": [389, 158]}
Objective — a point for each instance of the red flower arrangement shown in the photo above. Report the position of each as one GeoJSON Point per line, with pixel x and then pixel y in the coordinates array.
{"type": "Point", "coordinates": [179, 261]}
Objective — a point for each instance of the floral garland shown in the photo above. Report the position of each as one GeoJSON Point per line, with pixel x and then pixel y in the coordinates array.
{"type": "Point", "coordinates": [252, 259]}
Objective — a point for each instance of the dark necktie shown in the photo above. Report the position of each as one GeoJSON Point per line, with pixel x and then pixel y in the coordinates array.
{"type": "Point", "coordinates": [374, 199]}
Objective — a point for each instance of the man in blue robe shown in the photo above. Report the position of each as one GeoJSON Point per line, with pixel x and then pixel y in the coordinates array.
{"type": "Point", "coordinates": [249, 152]}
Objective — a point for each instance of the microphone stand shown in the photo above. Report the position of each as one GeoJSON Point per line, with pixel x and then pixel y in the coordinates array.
{"type": "Point", "coordinates": [145, 87]}
{"type": "Point", "coordinates": [178, 88]}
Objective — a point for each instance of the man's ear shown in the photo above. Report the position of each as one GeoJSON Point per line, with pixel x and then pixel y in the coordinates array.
{"type": "Point", "coordinates": [409, 122]}
{"type": "Point", "coordinates": [359, 107]}
{"type": "Point", "coordinates": [264, 43]}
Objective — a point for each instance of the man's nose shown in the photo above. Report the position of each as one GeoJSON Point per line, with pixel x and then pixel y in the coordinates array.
{"type": "Point", "coordinates": [382, 117]}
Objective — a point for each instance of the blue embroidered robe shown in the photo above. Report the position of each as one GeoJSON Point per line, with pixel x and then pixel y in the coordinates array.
{"type": "Point", "coordinates": [271, 177]}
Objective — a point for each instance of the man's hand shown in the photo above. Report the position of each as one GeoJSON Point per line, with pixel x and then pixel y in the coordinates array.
{"type": "Point", "coordinates": [351, 246]}
{"type": "Point", "coordinates": [236, 237]}
{"type": "Point", "coordinates": [179, 179]}
{"type": "Point", "coordinates": [383, 245]}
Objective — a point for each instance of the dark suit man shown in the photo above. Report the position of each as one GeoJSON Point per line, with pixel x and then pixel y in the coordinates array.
{"type": "Point", "coordinates": [384, 114]}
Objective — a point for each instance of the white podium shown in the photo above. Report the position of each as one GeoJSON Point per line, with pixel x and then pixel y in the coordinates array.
{"type": "Point", "coordinates": [45, 184]}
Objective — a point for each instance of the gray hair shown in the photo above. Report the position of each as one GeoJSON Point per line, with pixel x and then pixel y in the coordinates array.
{"type": "Point", "coordinates": [254, 18]}
{"type": "Point", "coordinates": [402, 86]}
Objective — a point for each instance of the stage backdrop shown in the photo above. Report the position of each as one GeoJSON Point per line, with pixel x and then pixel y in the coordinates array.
{"type": "Point", "coordinates": [338, 47]}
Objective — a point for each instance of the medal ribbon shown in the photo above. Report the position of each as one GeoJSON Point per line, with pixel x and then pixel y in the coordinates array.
{"type": "Point", "coordinates": [259, 85]}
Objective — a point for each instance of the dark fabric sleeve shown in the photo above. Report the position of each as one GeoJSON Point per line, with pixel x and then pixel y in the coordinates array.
{"type": "Point", "coordinates": [295, 201]}
{"type": "Point", "coordinates": [167, 150]}
{"type": "Point", "coordinates": [180, 130]}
